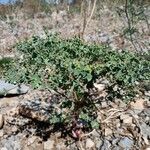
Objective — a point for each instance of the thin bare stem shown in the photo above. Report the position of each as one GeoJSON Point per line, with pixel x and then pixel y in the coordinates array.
{"type": "Point", "coordinates": [85, 21]}
{"type": "Point", "coordinates": [129, 24]}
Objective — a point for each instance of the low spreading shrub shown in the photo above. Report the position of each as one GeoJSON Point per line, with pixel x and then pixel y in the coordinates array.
{"type": "Point", "coordinates": [73, 66]}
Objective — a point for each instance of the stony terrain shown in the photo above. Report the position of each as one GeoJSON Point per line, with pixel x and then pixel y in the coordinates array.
{"type": "Point", "coordinates": [107, 29]}
{"type": "Point", "coordinates": [24, 118]}
{"type": "Point", "coordinates": [24, 124]}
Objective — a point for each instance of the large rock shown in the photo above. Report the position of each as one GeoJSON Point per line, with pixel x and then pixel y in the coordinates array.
{"type": "Point", "coordinates": [9, 89]}
{"type": "Point", "coordinates": [36, 110]}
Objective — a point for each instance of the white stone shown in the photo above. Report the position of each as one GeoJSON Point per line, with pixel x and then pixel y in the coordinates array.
{"type": "Point", "coordinates": [1, 121]}
{"type": "Point", "coordinates": [95, 133]}
{"type": "Point", "coordinates": [4, 148]}
{"type": "Point", "coordinates": [14, 129]}
{"type": "Point", "coordinates": [115, 88]}
{"type": "Point", "coordinates": [104, 104]}
{"type": "Point", "coordinates": [138, 104]}
{"type": "Point", "coordinates": [100, 87]}
{"type": "Point", "coordinates": [120, 103]}
{"type": "Point", "coordinates": [108, 132]}
{"type": "Point", "coordinates": [105, 81]}
{"type": "Point", "coordinates": [49, 145]}
{"type": "Point", "coordinates": [60, 146]}
{"type": "Point", "coordinates": [1, 133]}
{"type": "Point", "coordinates": [126, 119]}
{"type": "Point", "coordinates": [89, 144]}
{"type": "Point", "coordinates": [99, 117]}
{"type": "Point", "coordinates": [7, 88]}
{"type": "Point", "coordinates": [31, 140]}
{"type": "Point", "coordinates": [147, 93]}
{"type": "Point", "coordinates": [98, 144]}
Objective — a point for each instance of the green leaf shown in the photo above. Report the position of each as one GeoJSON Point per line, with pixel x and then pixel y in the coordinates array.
{"type": "Point", "coordinates": [95, 124]}
{"type": "Point", "coordinates": [89, 77]}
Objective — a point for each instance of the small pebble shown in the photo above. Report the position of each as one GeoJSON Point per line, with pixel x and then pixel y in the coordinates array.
{"type": "Point", "coordinates": [89, 144]}
{"type": "Point", "coordinates": [1, 133]}
{"type": "Point", "coordinates": [48, 145]}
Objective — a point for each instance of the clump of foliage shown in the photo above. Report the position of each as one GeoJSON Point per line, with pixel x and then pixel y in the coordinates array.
{"type": "Point", "coordinates": [134, 12]}
{"type": "Point", "coordinates": [73, 66]}
{"type": "Point", "coordinates": [4, 63]}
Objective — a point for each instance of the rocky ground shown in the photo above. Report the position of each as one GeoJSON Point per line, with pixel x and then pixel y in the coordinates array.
{"type": "Point", "coordinates": [105, 28]}
{"type": "Point", "coordinates": [24, 124]}
{"type": "Point", "coordinates": [23, 119]}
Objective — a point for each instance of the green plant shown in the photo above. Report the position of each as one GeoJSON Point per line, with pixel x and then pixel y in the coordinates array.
{"type": "Point", "coordinates": [134, 12]}
{"type": "Point", "coordinates": [4, 63]}
{"type": "Point", "coordinates": [73, 66]}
